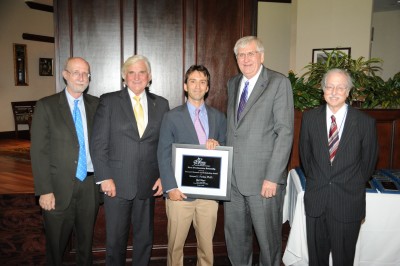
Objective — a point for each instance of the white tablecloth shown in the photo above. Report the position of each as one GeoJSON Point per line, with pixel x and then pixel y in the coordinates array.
{"type": "Point", "coordinates": [379, 240]}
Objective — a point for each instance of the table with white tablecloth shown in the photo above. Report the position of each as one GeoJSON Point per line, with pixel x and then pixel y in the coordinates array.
{"type": "Point", "coordinates": [379, 240]}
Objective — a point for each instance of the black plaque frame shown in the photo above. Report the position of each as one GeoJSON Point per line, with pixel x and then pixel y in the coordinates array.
{"type": "Point", "coordinates": [224, 153]}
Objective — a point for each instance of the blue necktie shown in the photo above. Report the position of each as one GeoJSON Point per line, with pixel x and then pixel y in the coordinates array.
{"type": "Point", "coordinates": [243, 100]}
{"type": "Point", "coordinates": [81, 170]}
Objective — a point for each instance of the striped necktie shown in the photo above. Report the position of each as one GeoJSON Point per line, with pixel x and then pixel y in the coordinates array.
{"type": "Point", "coordinates": [243, 99]}
{"type": "Point", "coordinates": [333, 140]}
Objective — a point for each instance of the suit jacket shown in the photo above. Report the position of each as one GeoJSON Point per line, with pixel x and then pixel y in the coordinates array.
{"type": "Point", "coordinates": [262, 138]}
{"type": "Point", "coordinates": [339, 187]}
{"type": "Point", "coordinates": [118, 152]}
{"type": "Point", "coordinates": [177, 127]}
{"type": "Point", "coordinates": [55, 146]}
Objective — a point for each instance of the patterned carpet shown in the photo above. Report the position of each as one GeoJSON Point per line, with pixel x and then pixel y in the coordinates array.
{"type": "Point", "coordinates": [22, 240]}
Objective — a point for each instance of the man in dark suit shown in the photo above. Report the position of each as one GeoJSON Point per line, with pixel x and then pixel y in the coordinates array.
{"type": "Point", "coordinates": [179, 126]}
{"type": "Point", "coordinates": [62, 167]}
{"type": "Point", "coordinates": [260, 129]}
{"type": "Point", "coordinates": [338, 150]}
{"type": "Point", "coordinates": [124, 147]}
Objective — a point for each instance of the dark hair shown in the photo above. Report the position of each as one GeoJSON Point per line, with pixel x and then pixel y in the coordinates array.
{"type": "Point", "coordinates": [201, 69]}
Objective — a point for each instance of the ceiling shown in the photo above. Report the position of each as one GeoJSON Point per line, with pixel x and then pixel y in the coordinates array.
{"type": "Point", "coordinates": [386, 5]}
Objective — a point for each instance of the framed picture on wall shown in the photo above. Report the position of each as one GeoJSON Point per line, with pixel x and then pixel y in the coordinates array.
{"type": "Point", "coordinates": [45, 67]}
{"type": "Point", "coordinates": [20, 65]}
{"type": "Point", "coordinates": [319, 55]}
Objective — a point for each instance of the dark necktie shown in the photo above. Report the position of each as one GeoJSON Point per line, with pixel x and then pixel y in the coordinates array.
{"type": "Point", "coordinates": [201, 133]}
{"type": "Point", "coordinates": [243, 100]}
{"type": "Point", "coordinates": [81, 170]}
{"type": "Point", "coordinates": [333, 139]}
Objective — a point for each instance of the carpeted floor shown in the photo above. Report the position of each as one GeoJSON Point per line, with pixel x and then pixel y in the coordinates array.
{"type": "Point", "coordinates": [22, 240]}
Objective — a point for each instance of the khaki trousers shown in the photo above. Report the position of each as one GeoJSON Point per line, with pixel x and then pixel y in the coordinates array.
{"type": "Point", "coordinates": [181, 214]}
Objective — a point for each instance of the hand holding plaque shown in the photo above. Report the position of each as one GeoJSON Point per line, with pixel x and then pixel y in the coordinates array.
{"type": "Point", "coordinates": [203, 173]}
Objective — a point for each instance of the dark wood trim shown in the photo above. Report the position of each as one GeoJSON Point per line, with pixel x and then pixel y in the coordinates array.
{"type": "Point", "coordinates": [22, 134]}
{"type": "Point", "coordinates": [38, 6]}
{"type": "Point", "coordinates": [38, 38]}
{"type": "Point", "coordinates": [254, 18]}
{"type": "Point", "coordinates": [277, 1]}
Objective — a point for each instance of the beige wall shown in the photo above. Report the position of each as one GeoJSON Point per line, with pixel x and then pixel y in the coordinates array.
{"type": "Point", "coordinates": [314, 24]}
{"type": "Point", "coordinates": [17, 18]}
{"type": "Point", "coordinates": [274, 26]}
{"type": "Point", "coordinates": [387, 38]}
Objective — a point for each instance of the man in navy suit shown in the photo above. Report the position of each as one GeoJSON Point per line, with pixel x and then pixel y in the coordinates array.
{"type": "Point", "coordinates": [124, 147]}
{"type": "Point", "coordinates": [178, 126]}
{"type": "Point", "coordinates": [338, 150]}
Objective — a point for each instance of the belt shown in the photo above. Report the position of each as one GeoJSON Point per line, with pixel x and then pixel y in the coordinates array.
{"type": "Point", "coordinates": [89, 173]}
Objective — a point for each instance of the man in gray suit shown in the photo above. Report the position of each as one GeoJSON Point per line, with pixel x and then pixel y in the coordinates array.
{"type": "Point", "coordinates": [124, 146]}
{"type": "Point", "coordinates": [68, 197]}
{"type": "Point", "coordinates": [260, 129]}
{"type": "Point", "coordinates": [179, 126]}
{"type": "Point", "coordinates": [338, 151]}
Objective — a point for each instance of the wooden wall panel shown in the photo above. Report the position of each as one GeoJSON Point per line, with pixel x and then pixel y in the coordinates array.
{"type": "Point", "coordinates": [215, 41]}
{"type": "Point", "coordinates": [159, 36]}
{"type": "Point", "coordinates": [92, 30]}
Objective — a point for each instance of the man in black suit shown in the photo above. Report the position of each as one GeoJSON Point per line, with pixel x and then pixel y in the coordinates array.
{"type": "Point", "coordinates": [124, 147]}
{"type": "Point", "coordinates": [68, 196]}
{"type": "Point", "coordinates": [338, 150]}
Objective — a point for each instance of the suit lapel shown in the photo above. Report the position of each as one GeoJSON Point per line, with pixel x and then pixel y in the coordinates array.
{"type": "Point", "coordinates": [235, 97]}
{"type": "Point", "coordinates": [90, 110]}
{"type": "Point", "coordinates": [188, 123]}
{"type": "Point", "coordinates": [211, 123]}
{"type": "Point", "coordinates": [321, 132]}
{"type": "Point", "coordinates": [348, 130]}
{"type": "Point", "coordinates": [126, 105]}
{"type": "Point", "coordinates": [258, 90]}
{"type": "Point", "coordinates": [152, 111]}
{"type": "Point", "coordinates": [66, 113]}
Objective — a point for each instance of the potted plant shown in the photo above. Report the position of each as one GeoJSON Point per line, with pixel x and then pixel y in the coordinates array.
{"type": "Point", "coordinates": [363, 72]}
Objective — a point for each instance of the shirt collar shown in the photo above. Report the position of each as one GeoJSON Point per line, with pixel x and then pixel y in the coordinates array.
{"type": "Point", "coordinates": [71, 99]}
{"type": "Point", "coordinates": [193, 108]}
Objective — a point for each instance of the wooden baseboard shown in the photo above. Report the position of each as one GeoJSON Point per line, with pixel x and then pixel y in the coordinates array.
{"type": "Point", "coordinates": [22, 134]}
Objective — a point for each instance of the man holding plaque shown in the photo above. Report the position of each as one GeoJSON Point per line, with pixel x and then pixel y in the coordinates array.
{"type": "Point", "coordinates": [191, 123]}
{"type": "Point", "coordinates": [260, 130]}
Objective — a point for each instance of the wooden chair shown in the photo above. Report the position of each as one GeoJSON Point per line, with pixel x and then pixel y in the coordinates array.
{"type": "Point", "coordinates": [22, 112]}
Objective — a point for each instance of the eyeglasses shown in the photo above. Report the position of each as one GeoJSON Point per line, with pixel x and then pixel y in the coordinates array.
{"type": "Point", "coordinates": [77, 74]}
{"type": "Point", "coordinates": [339, 88]}
{"type": "Point", "coordinates": [249, 55]}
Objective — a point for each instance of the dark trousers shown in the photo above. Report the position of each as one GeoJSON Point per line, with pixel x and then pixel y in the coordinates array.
{"type": "Point", "coordinates": [79, 216]}
{"type": "Point", "coordinates": [325, 234]}
{"type": "Point", "coordinates": [120, 214]}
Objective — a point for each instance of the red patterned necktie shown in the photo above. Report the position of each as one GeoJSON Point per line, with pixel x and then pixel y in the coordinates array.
{"type": "Point", "coordinates": [333, 139]}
